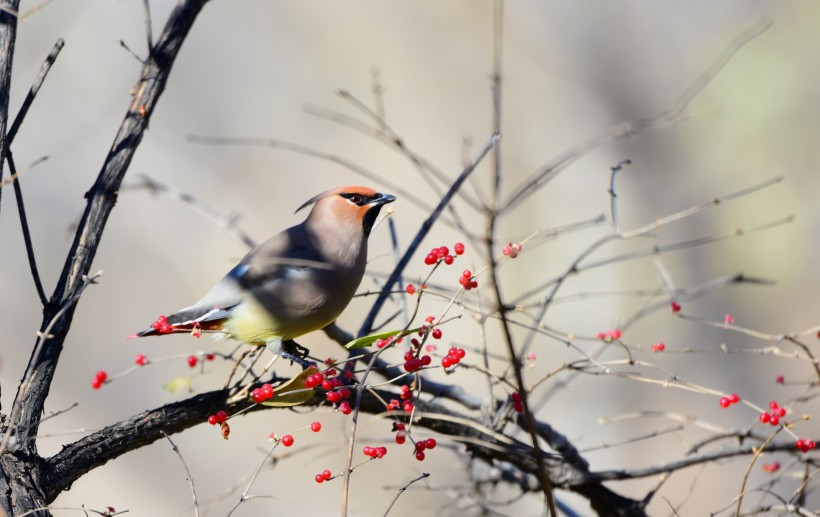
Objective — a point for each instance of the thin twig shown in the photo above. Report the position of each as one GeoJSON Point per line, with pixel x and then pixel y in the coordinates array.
{"type": "Point", "coordinates": [190, 478]}
{"type": "Point", "coordinates": [21, 210]}
{"type": "Point", "coordinates": [403, 489]}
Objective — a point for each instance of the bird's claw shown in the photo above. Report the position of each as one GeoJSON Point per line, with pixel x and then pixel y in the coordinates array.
{"type": "Point", "coordinates": [296, 353]}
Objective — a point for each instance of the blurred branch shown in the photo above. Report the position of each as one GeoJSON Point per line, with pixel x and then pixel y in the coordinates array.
{"type": "Point", "coordinates": [226, 222]}
{"type": "Point", "coordinates": [676, 113]}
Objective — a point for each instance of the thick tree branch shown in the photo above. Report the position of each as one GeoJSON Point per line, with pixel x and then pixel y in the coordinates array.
{"type": "Point", "coordinates": [8, 35]}
{"type": "Point", "coordinates": [101, 199]}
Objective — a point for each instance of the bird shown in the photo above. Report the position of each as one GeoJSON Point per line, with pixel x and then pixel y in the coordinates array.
{"type": "Point", "coordinates": [298, 281]}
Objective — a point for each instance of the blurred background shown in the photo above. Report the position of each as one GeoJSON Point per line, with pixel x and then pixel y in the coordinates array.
{"type": "Point", "coordinates": [570, 71]}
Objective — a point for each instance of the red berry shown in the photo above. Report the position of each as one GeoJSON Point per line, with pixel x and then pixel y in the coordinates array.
{"type": "Point", "coordinates": [658, 347]}
{"type": "Point", "coordinates": [725, 402]}
{"type": "Point", "coordinates": [381, 451]}
{"type": "Point", "coordinates": [210, 357]}
{"type": "Point", "coordinates": [407, 406]}
{"type": "Point", "coordinates": [411, 289]}
{"type": "Point", "coordinates": [221, 416]}
{"type": "Point", "coordinates": [675, 307]}
{"type": "Point", "coordinates": [165, 328]}
{"type": "Point", "coordinates": [447, 361]}
{"type": "Point", "coordinates": [458, 248]}
{"type": "Point", "coordinates": [734, 398]}
{"type": "Point", "coordinates": [334, 397]}
{"type": "Point", "coordinates": [430, 443]}
{"type": "Point", "coordinates": [436, 333]}
{"type": "Point", "coordinates": [287, 440]}
{"type": "Point", "coordinates": [448, 259]}
{"type": "Point", "coordinates": [430, 259]}
{"type": "Point", "coordinates": [401, 437]}
{"type": "Point", "coordinates": [156, 325]}
{"type": "Point", "coordinates": [420, 456]}
{"type": "Point", "coordinates": [101, 376]}
{"type": "Point", "coordinates": [780, 379]}
{"type": "Point", "coordinates": [96, 384]}
{"type": "Point", "coordinates": [460, 353]}
{"type": "Point", "coordinates": [764, 418]}
{"type": "Point", "coordinates": [771, 467]}
{"type": "Point", "coordinates": [257, 396]}
{"type": "Point", "coordinates": [773, 420]}
{"type": "Point", "coordinates": [408, 355]}
{"type": "Point", "coordinates": [192, 360]}
{"type": "Point", "coordinates": [368, 451]}
{"type": "Point", "coordinates": [420, 446]}
{"type": "Point", "coordinates": [319, 478]}
{"type": "Point", "coordinates": [327, 474]}
{"type": "Point", "coordinates": [780, 412]}
{"type": "Point", "coordinates": [345, 408]}
{"type": "Point", "coordinates": [162, 319]}
{"type": "Point", "coordinates": [773, 405]}
{"type": "Point", "coordinates": [212, 420]}
{"type": "Point", "coordinates": [443, 251]}
{"type": "Point", "coordinates": [426, 360]}
{"type": "Point", "coordinates": [141, 360]}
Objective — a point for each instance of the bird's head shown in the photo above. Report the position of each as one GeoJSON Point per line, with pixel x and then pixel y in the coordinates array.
{"type": "Point", "coordinates": [352, 207]}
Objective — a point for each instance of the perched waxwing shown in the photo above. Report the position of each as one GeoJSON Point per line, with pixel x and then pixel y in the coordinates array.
{"type": "Point", "coordinates": [298, 281]}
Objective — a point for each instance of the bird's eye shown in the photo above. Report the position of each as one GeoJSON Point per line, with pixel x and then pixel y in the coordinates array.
{"type": "Point", "coordinates": [354, 199]}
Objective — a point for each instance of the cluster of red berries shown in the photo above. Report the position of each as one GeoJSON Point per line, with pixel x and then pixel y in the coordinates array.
{"type": "Point", "coordinates": [725, 402]}
{"type": "Point", "coordinates": [512, 250]}
{"type": "Point", "coordinates": [141, 360]}
{"type": "Point", "coordinates": [453, 357]}
{"type": "Point", "coordinates": [336, 392]}
{"type": "Point", "coordinates": [323, 476]}
{"type": "Point", "coordinates": [658, 347]}
{"type": "Point", "coordinates": [442, 254]}
{"type": "Point", "coordinates": [162, 326]}
{"type": "Point", "coordinates": [675, 307]}
{"type": "Point", "coordinates": [805, 445]}
{"type": "Point", "coordinates": [467, 281]}
{"type": "Point", "coordinates": [407, 405]}
{"type": "Point", "coordinates": [374, 452]}
{"type": "Point", "coordinates": [99, 379]}
{"type": "Point", "coordinates": [518, 406]}
{"type": "Point", "coordinates": [772, 418]}
{"type": "Point", "coordinates": [610, 335]}
{"type": "Point", "coordinates": [218, 418]}
{"type": "Point", "coordinates": [423, 445]}
{"type": "Point", "coordinates": [413, 363]}
{"type": "Point", "coordinates": [262, 393]}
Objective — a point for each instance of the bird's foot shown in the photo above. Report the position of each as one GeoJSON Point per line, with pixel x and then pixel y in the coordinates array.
{"type": "Point", "coordinates": [296, 353]}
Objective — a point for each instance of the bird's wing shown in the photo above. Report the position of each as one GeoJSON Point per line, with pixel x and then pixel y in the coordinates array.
{"type": "Point", "coordinates": [264, 269]}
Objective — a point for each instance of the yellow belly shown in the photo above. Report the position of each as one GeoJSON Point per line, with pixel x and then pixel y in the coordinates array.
{"type": "Point", "coordinates": [252, 324]}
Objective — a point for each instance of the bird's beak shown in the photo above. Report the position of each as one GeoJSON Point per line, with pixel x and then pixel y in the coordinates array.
{"type": "Point", "coordinates": [382, 199]}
